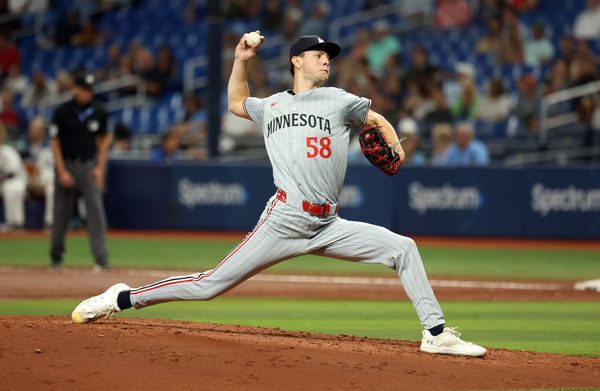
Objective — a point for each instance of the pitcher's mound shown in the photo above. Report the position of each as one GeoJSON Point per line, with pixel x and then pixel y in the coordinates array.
{"type": "Point", "coordinates": [129, 353]}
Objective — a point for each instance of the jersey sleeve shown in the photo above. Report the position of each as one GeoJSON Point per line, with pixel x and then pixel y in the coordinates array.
{"type": "Point", "coordinates": [103, 122]}
{"type": "Point", "coordinates": [55, 124]}
{"type": "Point", "coordinates": [254, 109]}
{"type": "Point", "coordinates": [354, 109]}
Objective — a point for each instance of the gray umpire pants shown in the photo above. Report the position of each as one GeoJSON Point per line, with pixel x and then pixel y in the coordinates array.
{"type": "Point", "coordinates": [64, 203]}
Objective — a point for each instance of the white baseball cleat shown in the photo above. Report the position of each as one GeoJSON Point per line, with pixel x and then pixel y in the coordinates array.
{"type": "Point", "coordinates": [449, 342]}
{"type": "Point", "coordinates": [96, 307]}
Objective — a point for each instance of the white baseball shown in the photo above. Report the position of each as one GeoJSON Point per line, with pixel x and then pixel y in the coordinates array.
{"type": "Point", "coordinates": [253, 38]}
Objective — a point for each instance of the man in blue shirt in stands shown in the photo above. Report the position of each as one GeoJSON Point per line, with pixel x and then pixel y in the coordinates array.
{"type": "Point", "coordinates": [466, 151]}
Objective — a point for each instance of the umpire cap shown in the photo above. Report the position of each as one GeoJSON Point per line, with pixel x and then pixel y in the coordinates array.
{"type": "Point", "coordinates": [314, 42]}
{"type": "Point", "coordinates": [85, 80]}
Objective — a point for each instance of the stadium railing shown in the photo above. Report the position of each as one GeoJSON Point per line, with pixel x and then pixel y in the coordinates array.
{"type": "Point", "coordinates": [549, 122]}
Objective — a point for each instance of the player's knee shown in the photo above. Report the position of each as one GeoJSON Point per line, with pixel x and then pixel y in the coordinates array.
{"type": "Point", "coordinates": [209, 294]}
{"type": "Point", "coordinates": [405, 245]}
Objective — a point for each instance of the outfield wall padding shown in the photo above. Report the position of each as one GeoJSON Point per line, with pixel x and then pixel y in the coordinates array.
{"type": "Point", "coordinates": [498, 202]}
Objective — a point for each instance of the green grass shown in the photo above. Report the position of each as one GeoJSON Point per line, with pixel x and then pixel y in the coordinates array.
{"type": "Point", "coordinates": [205, 254]}
{"type": "Point", "coordinates": [553, 327]}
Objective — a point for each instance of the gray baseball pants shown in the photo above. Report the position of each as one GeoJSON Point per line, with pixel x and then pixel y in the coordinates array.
{"type": "Point", "coordinates": [64, 203]}
{"type": "Point", "coordinates": [285, 231]}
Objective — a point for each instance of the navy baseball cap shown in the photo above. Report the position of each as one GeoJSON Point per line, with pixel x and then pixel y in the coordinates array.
{"type": "Point", "coordinates": [314, 42]}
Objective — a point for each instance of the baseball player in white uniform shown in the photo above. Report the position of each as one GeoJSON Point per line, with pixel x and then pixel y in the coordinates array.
{"type": "Point", "coordinates": [306, 132]}
{"type": "Point", "coordinates": [13, 183]}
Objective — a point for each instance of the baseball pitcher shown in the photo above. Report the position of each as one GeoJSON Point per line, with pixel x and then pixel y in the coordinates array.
{"type": "Point", "coordinates": [306, 132]}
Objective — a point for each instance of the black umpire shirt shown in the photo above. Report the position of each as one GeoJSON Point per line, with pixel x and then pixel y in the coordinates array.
{"type": "Point", "coordinates": [77, 127]}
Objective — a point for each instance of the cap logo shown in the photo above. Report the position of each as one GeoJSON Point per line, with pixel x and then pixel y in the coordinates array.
{"type": "Point", "coordinates": [320, 40]}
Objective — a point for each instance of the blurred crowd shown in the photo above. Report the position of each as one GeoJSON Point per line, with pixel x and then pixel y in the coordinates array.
{"type": "Point", "coordinates": [438, 110]}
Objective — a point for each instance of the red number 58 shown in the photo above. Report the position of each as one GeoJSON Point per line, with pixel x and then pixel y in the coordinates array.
{"type": "Point", "coordinates": [313, 143]}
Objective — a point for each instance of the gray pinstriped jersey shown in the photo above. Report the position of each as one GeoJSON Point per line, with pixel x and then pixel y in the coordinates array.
{"type": "Point", "coordinates": [306, 136]}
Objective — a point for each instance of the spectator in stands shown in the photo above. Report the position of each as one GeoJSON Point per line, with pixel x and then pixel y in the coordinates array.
{"type": "Point", "coordinates": [40, 167]}
{"type": "Point", "coordinates": [383, 45]}
{"type": "Point", "coordinates": [88, 35]}
{"type": "Point", "coordinates": [126, 65]}
{"type": "Point", "coordinates": [490, 43]}
{"type": "Point", "coordinates": [587, 23]}
{"type": "Point", "coordinates": [272, 16]}
{"type": "Point", "coordinates": [112, 68]}
{"type": "Point", "coordinates": [568, 49]}
{"type": "Point", "coordinates": [422, 71]}
{"type": "Point", "coordinates": [416, 101]}
{"type": "Point", "coordinates": [64, 82]}
{"type": "Point", "coordinates": [243, 9]}
{"type": "Point", "coordinates": [133, 52]}
{"type": "Point", "coordinates": [13, 182]}
{"type": "Point", "coordinates": [235, 129]}
{"type": "Point", "coordinates": [193, 128]}
{"type": "Point", "coordinates": [156, 80]}
{"type": "Point", "coordinates": [258, 80]}
{"type": "Point", "coordinates": [596, 123]}
{"type": "Point", "coordinates": [539, 50]}
{"type": "Point", "coordinates": [452, 13]}
{"type": "Point", "coordinates": [370, 4]}
{"type": "Point", "coordinates": [496, 106]}
{"type": "Point", "coordinates": [583, 70]}
{"type": "Point", "coordinates": [121, 144]}
{"type": "Point", "coordinates": [584, 50]}
{"type": "Point", "coordinates": [524, 5]}
{"type": "Point", "coordinates": [316, 23]}
{"type": "Point", "coordinates": [526, 107]}
{"type": "Point", "coordinates": [510, 21]}
{"type": "Point", "coordinates": [557, 78]}
{"type": "Point", "coordinates": [168, 150]}
{"type": "Point", "coordinates": [39, 89]}
{"type": "Point", "coordinates": [453, 86]}
{"type": "Point", "coordinates": [439, 113]}
{"type": "Point", "coordinates": [9, 116]}
{"type": "Point", "coordinates": [16, 82]}
{"type": "Point", "coordinates": [511, 45]}
{"type": "Point", "coordinates": [585, 114]}
{"type": "Point", "coordinates": [466, 105]}
{"type": "Point", "coordinates": [442, 139]}
{"type": "Point", "coordinates": [407, 127]}
{"type": "Point", "coordinates": [361, 41]}
{"type": "Point", "coordinates": [166, 67]}
{"type": "Point", "coordinates": [9, 55]}
{"type": "Point", "coordinates": [67, 29]}
{"type": "Point", "coordinates": [292, 18]}
{"type": "Point", "coordinates": [466, 150]}
{"type": "Point", "coordinates": [353, 75]}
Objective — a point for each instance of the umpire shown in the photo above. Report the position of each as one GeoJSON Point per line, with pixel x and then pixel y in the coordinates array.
{"type": "Point", "coordinates": [80, 143]}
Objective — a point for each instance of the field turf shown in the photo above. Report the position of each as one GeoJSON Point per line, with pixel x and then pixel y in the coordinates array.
{"type": "Point", "coordinates": [201, 255]}
{"type": "Point", "coordinates": [557, 327]}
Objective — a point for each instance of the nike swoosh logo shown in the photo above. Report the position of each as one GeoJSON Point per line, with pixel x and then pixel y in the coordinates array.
{"type": "Point", "coordinates": [273, 104]}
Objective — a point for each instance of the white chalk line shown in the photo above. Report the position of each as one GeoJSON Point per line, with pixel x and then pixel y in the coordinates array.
{"type": "Point", "coordinates": [311, 279]}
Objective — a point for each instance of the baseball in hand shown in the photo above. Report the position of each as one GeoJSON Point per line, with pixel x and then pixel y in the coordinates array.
{"type": "Point", "coordinates": [253, 38]}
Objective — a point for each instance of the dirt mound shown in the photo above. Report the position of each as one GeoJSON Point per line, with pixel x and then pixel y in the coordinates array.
{"type": "Point", "coordinates": [129, 353]}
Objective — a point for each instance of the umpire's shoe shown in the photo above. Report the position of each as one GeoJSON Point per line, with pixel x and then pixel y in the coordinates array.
{"type": "Point", "coordinates": [98, 306]}
{"type": "Point", "coordinates": [449, 342]}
